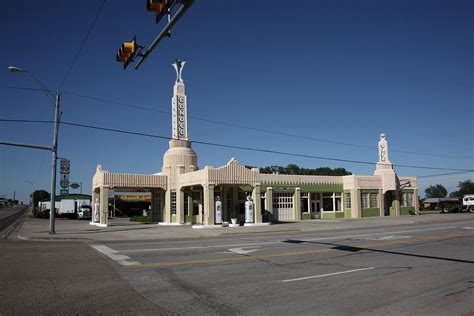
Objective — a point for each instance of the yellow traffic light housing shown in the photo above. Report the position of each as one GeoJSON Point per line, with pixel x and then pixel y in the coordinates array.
{"type": "Point", "coordinates": [127, 52]}
{"type": "Point", "coordinates": [160, 7]}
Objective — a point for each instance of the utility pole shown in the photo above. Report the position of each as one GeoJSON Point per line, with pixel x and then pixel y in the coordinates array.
{"type": "Point", "coordinates": [53, 149]}
{"type": "Point", "coordinates": [52, 213]}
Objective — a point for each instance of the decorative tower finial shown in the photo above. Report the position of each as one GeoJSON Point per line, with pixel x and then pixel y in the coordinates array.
{"type": "Point", "coordinates": [178, 66]}
{"type": "Point", "coordinates": [383, 149]}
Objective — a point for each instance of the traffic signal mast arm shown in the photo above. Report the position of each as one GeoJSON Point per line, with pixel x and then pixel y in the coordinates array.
{"type": "Point", "coordinates": [165, 31]}
{"type": "Point", "coordinates": [129, 50]}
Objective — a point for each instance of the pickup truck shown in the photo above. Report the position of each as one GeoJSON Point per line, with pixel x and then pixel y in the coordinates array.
{"type": "Point", "coordinates": [468, 203]}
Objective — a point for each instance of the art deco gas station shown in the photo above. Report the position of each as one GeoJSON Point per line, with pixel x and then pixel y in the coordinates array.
{"type": "Point", "coordinates": [184, 194]}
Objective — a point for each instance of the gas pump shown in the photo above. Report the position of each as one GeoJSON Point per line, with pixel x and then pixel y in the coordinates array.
{"type": "Point", "coordinates": [96, 211]}
{"type": "Point", "coordinates": [218, 210]}
{"type": "Point", "coordinates": [249, 210]}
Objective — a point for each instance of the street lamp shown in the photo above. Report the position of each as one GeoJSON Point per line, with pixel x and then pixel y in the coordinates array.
{"type": "Point", "coordinates": [54, 148]}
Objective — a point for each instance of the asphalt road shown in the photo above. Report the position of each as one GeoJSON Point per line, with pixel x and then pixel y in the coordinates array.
{"type": "Point", "coordinates": [426, 269]}
{"type": "Point", "coordinates": [397, 270]}
{"type": "Point", "coordinates": [9, 216]}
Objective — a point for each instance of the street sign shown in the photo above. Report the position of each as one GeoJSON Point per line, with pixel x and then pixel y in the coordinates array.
{"type": "Point", "coordinates": [64, 191]}
{"type": "Point", "coordinates": [75, 185]}
{"type": "Point", "coordinates": [64, 184]}
{"type": "Point", "coordinates": [64, 176]}
{"type": "Point", "coordinates": [65, 166]}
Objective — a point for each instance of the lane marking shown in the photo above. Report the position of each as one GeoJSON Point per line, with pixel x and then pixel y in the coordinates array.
{"type": "Point", "coordinates": [280, 241]}
{"type": "Point", "coordinates": [295, 253]}
{"type": "Point", "coordinates": [240, 251]}
{"type": "Point", "coordinates": [111, 253]}
{"type": "Point", "coordinates": [385, 237]}
{"type": "Point", "coordinates": [325, 275]}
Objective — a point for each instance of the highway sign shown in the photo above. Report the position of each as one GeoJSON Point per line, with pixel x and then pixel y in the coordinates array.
{"type": "Point", "coordinates": [65, 166]}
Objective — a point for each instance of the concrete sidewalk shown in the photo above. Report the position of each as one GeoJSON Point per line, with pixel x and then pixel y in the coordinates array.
{"type": "Point", "coordinates": [122, 229]}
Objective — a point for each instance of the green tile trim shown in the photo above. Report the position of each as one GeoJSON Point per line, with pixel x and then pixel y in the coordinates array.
{"type": "Point", "coordinates": [332, 215]}
{"type": "Point", "coordinates": [322, 187]}
{"type": "Point", "coordinates": [370, 212]}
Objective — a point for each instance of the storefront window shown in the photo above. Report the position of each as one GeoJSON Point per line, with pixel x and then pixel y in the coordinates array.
{"type": "Point", "coordinates": [410, 199]}
{"type": "Point", "coordinates": [348, 200]}
{"type": "Point", "coordinates": [403, 199]}
{"type": "Point", "coordinates": [364, 200]}
{"type": "Point", "coordinates": [338, 201]}
{"type": "Point", "coordinates": [304, 202]}
{"type": "Point", "coordinates": [374, 200]}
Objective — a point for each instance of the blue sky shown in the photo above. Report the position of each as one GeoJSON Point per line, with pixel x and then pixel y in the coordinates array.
{"type": "Point", "coordinates": [335, 71]}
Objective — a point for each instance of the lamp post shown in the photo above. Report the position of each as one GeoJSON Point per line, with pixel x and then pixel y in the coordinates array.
{"type": "Point", "coordinates": [54, 148]}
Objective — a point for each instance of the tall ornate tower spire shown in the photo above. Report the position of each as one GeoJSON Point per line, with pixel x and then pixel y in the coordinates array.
{"type": "Point", "coordinates": [384, 167]}
{"type": "Point", "coordinates": [180, 104]}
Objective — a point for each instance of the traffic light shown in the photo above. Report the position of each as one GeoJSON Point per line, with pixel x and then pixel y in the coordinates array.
{"type": "Point", "coordinates": [127, 52]}
{"type": "Point", "coordinates": [160, 7]}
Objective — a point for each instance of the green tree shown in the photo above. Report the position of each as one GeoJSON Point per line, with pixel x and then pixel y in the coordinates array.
{"type": "Point", "coordinates": [296, 170]}
{"type": "Point", "coordinates": [465, 187]}
{"type": "Point", "coordinates": [39, 195]}
{"type": "Point", "coordinates": [436, 191]}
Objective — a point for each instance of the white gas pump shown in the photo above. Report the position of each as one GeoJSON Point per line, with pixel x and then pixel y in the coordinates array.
{"type": "Point", "coordinates": [96, 211]}
{"type": "Point", "coordinates": [218, 210]}
{"type": "Point", "coordinates": [249, 210]}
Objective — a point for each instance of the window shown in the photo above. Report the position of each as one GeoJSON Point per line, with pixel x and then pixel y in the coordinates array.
{"type": "Point", "coordinates": [332, 202]}
{"type": "Point", "coordinates": [186, 204]}
{"type": "Point", "coordinates": [283, 200]}
{"type": "Point", "coordinates": [410, 199]}
{"type": "Point", "coordinates": [403, 199]}
{"type": "Point", "coordinates": [374, 200]}
{"type": "Point", "coordinates": [328, 205]}
{"type": "Point", "coordinates": [173, 202]}
{"type": "Point", "coordinates": [348, 200]}
{"type": "Point", "coordinates": [304, 202]}
{"type": "Point", "coordinates": [338, 201]}
{"type": "Point", "coordinates": [364, 200]}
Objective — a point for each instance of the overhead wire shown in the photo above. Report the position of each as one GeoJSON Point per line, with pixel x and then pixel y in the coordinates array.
{"type": "Point", "coordinates": [82, 44]}
{"type": "Point", "coordinates": [246, 127]}
{"type": "Point", "coordinates": [137, 107]}
{"type": "Point", "coordinates": [259, 129]}
{"type": "Point", "coordinates": [233, 146]}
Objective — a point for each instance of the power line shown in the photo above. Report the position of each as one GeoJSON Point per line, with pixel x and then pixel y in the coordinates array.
{"type": "Point", "coordinates": [20, 88]}
{"type": "Point", "coordinates": [260, 129]}
{"type": "Point", "coordinates": [247, 127]}
{"type": "Point", "coordinates": [444, 174]}
{"type": "Point", "coordinates": [258, 149]}
{"type": "Point", "coordinates": [82, 45]}
{"type": "Point", "coordinates": [233, 146]}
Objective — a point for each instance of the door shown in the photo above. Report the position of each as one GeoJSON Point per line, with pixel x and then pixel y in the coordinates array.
{"type": "Point", "coordinates": [283, 206]}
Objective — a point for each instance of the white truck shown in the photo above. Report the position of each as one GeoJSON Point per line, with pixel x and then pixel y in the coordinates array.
{"type": "Point", "coordinates": [70, 208]}
{"type": "Point", "coordinates": [468, 203]}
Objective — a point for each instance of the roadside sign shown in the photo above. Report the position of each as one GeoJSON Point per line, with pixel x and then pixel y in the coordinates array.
{"type": "Point", "coordinates": [64, 191]}
{"type": "Point", "coordinates": [64, 176]}
{"type": "Point", "coordinates": [64, 184]}
{"type": "Point", "coordinates": [65, 166]}
{"type": "Point", "coordinates": [75, 185]}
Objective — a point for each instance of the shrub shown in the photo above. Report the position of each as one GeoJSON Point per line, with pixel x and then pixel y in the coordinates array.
{"type": "Point", "coordinates": [141, 219]}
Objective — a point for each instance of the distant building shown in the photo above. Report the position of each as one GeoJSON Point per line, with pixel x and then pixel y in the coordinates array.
{"type": "Point", "coordinates": [181, 193]}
